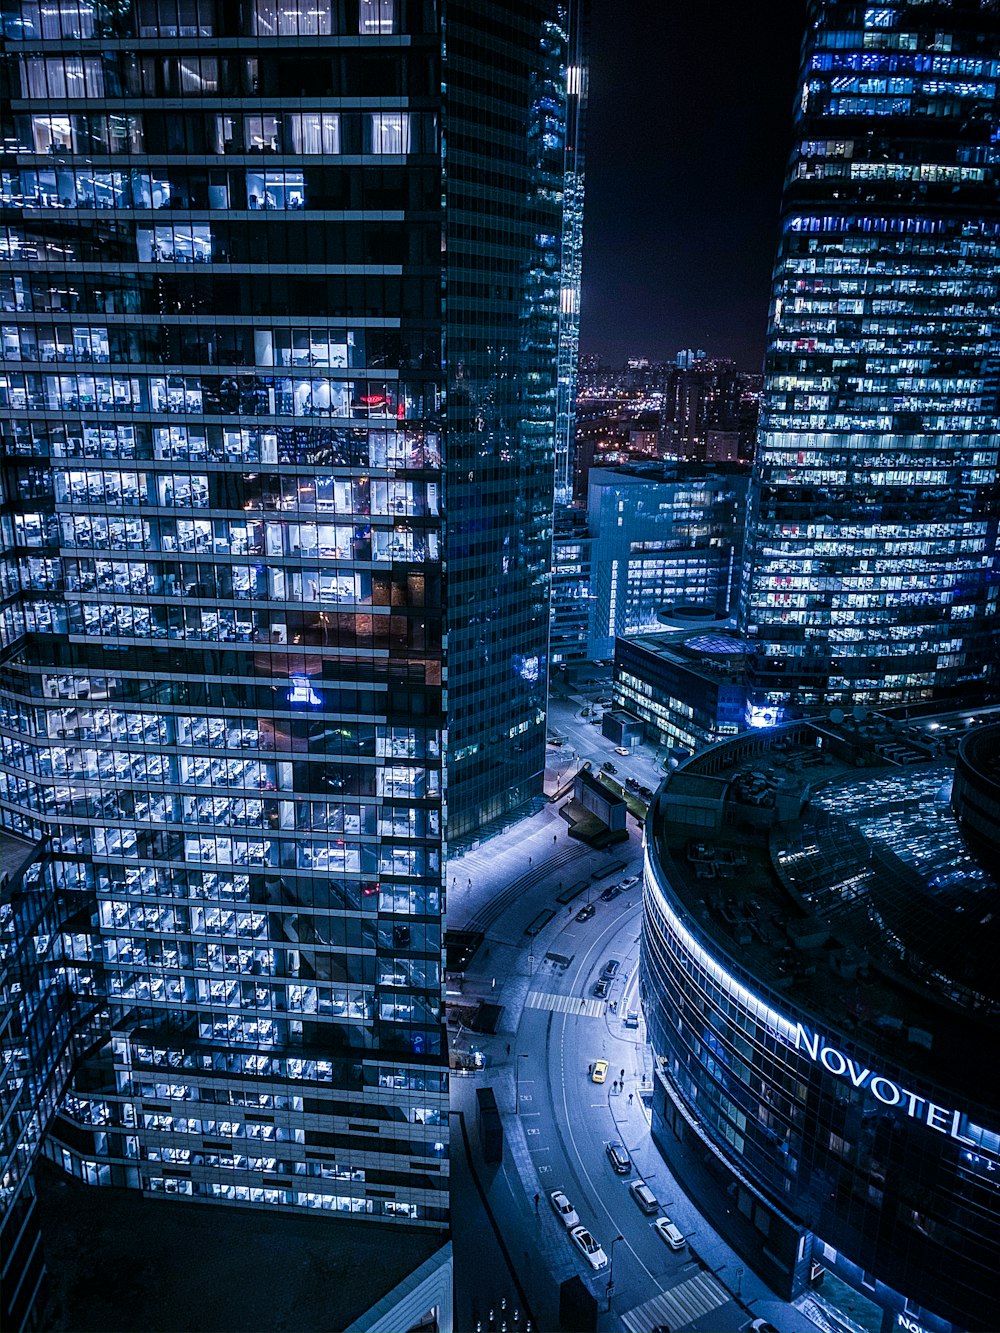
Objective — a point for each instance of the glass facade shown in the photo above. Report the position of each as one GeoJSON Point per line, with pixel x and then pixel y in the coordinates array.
{"type": "Point", "coordinates": [574, 181]}
{"type": "Point", "coordinates": [688, 690]}
{"type": "Point", "coordinates": [826, 1117]}
{"type": "Point", "coordinates": [871, 572]}
{"type": "Point", "coordinates": [572, 574]}
{"type": "Point", "coordinates": [504, 265]}
{"type": "Point", "coordinates": [664, 538]}
{"type": "Point", "coordinates": [232, 286]}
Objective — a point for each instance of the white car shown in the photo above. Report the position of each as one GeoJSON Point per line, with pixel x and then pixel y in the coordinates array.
{"type": "Point", "coordinates": [630, 882]}
{"type": "Point", "coordinates": [589, 1248]}
{"type": "Point", "coordinates": [668, 1232]}
{"type": "Point", "coordinates": [563, 1209]}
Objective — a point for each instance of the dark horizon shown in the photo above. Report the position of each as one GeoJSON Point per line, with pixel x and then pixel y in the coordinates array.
{"type": "Point", "coordinates": [688, 135]}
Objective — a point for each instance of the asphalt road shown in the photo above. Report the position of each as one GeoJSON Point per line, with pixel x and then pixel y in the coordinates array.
{"type": "Point", "coordinates": [567, 1119]}
{"type": "Point", "coordinates": [556, 1029]}
{"type": "Point", "coordinates": [585, 741]}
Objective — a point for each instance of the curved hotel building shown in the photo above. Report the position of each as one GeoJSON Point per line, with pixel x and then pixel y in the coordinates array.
{"type": "Point", "coordinates": [818, 975]}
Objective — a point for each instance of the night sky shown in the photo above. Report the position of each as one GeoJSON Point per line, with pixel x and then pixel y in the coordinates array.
{"type": "Point", "coordinates": [689, 128]}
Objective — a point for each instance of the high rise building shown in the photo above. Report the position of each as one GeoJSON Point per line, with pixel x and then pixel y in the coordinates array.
{"type": "Point", "coordinates": [704, 396]}
{"type": "Point", "coordinates": [818, 978]}
{"type": "Point", "coordinates": [572, 598]}
{"type": "Point", "coordinates": [871, 565]}
{"type": "Point", "coordinates": [251, 356]}
{"type": "Point", "coordinates": [505, 214]}
{"type": "Point", "coordinates": [687, 357]}
{"type": "Point", "coordinates": [572, 247]}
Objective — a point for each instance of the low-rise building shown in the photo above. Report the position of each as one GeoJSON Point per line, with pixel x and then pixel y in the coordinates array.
{"type": "Point", "coordinates": [687, 688]}
{"type": "Point", "coordinates": [666, 537]}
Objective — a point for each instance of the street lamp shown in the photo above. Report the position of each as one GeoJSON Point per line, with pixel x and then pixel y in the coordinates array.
{"type": "Point", "coordinates": [611, 1270]}
{"type": "Point", "coordinates": [517, 1082]}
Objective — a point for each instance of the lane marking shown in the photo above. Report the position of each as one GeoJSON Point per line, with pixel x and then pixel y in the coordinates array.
{"type": "Point", "coordinates": [590, 1180]}
{"type": "Point", "coordinates": [677, 1306]}
{"type": "Point", "coordinates": [565, 1004]}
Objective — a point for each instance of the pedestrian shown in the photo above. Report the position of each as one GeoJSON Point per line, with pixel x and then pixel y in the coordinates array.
{"type": "Point", "coordinates": [623, 1078]}
{"type": "Point", "coordinates": [583, 1000]}
{"type": "Point", "coordinates": [630, 1096]}
{"type": "Point", "coordinates": [590, 1071]}
{"type": "Point", "coordinates": [529, 860]}
{"type": "Point", "coordinates": [508, 1048]}
{"type": "Point", "coordinates": [470, 881]}
{"type": "Point", "coordinates": [614, 1086]}
{"type": "Point", "coordinates": [555, 837]}
{"type": "Point", "coordinates": [538, 1199]}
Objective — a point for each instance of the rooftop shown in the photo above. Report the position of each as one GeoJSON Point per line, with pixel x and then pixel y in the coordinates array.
{"type": "Point", "coordinates": [711, 652]}
{"type": "Point", "coordinates": [666, 471]}
{"type": "Point", "coordinates": [211, 1266]}
{"type": "Point", "coordinates": [843, 883]}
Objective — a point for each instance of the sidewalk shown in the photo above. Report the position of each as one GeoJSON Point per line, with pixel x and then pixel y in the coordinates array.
{"type": "Point", "coordinates": [480, 1252]}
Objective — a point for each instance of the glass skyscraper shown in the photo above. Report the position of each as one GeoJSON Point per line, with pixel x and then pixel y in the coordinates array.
{"type": "Point", "coordinates": [504, 219]}
{"type": "Point", "coordinates": [574, 189]}
{"type": "Point", "coordinates": [281, 287]}
{"type": "Point", "coordinates": [871, 560]}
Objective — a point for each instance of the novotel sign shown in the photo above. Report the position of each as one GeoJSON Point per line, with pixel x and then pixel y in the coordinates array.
{"type": "Point", "coordinates": [884, 1090]}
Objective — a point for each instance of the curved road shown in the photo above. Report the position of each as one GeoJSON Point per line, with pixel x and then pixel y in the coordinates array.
{"type": "Point", "coordinates": [567, 1119]}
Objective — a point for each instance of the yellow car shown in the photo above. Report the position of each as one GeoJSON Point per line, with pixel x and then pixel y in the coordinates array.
{"type": "Point", "coordinates": [600, 1071]}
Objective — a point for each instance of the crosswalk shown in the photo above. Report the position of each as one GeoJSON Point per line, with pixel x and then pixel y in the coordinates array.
{"type": "Point", "coordinates": [679, 1306]}
{"type": "Point", "coordinates": [565, 1004]}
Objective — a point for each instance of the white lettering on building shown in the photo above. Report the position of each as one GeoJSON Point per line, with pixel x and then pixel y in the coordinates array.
{"type": "Point", "coordinates": [883, 1089]}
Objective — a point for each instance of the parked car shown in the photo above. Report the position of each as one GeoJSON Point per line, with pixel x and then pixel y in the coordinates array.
{"type": "Point", "coordinates": [618, 1157]}
{"type": "Point", "coordinates": [644, 1196]}
{"type": "Point", "coordinates": [620, 749]}
{"type": "Point", "coordinates": [589, 1248]}
{"type": "Point", "coordinates": [608, 767]}
{"type": "Point", "coordinates": [632, 880]}
{"type": "Point", "coordinates": [586, 912]}
{"type": "Point", "coordinates": [611, 968]}
{"type": "Point", "coordinates": [631, 1019]}
{"type": "Point", "coordinates": [666, 1230]}
{"type": "Point", "coordinates": [610, 893]}
{"type": "Point", "coordinates": [601, 988]}
{"type": "Point", "coordinates": [563, 1209]}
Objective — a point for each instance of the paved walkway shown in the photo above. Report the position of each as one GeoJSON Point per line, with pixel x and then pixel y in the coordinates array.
{"type": "Point", "coordinates": [484, 1269]}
